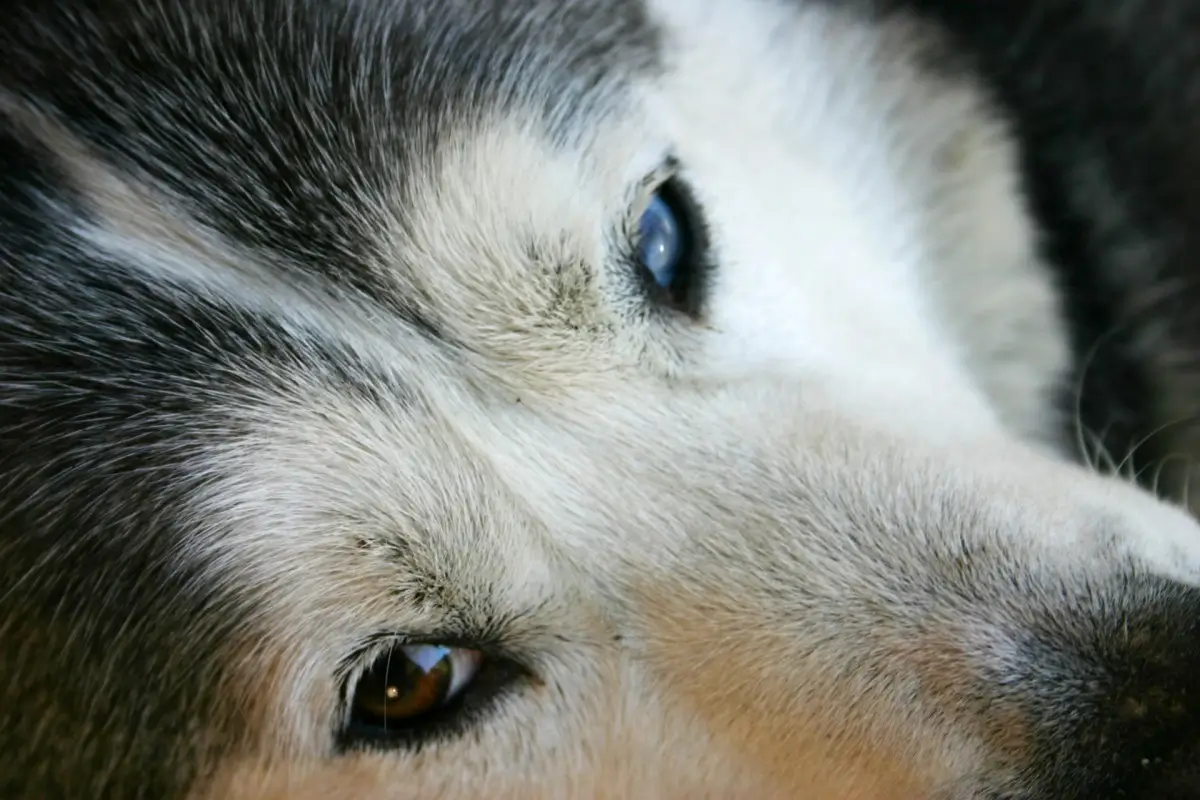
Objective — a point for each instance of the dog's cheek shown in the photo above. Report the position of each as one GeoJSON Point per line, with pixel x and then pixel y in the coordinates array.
{"type": "Point", "coordinates": [653, 757]}
{"type": "Point", "coordinates": [785, 716]}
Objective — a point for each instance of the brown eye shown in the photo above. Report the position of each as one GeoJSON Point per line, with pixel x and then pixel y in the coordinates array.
{"type": "Point", "coordinates": [409, 681]}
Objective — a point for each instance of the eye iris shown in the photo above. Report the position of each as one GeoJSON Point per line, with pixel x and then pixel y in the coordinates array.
{"type": "Point", "coordinates": [659, 242]}
{"type": "Point", "coordinates": [410, 681]}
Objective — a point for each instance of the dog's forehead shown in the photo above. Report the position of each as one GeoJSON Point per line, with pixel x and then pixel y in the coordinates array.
{"type": "Point", "coordinates": [286, 125]}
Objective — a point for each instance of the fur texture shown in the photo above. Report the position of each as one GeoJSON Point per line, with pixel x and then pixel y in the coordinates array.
{"type": "Point", "coordinates": [322, 329]}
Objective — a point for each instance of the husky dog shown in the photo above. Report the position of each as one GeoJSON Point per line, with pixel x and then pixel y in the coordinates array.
{"type": "Point", "coordinates": [599, 398]}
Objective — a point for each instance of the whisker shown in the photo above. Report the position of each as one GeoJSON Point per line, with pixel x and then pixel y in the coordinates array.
{"type": "Point", "coordinates": [1157, 467]}
{"type": "Point", "coordinates": [1133, 449]}
{"type": "Point", "coordinates": [1148, 303]}
{"type": "Point", "coordinates": [1101, 461]}
{"type": "Point", "coordinates": [1080, 380]}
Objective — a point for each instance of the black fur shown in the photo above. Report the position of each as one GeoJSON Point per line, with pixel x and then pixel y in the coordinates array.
{"type": "Point", "coordinates": [279, 125]}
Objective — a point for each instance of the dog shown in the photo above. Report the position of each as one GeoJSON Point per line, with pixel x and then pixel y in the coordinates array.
{"type": "Point", "coordinates": [566, 398]}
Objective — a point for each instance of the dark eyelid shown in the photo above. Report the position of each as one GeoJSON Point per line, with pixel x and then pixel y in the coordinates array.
{"type": "Point", "coordinates": [490, 644]}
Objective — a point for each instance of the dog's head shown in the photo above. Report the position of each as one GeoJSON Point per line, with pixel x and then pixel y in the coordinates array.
{"type": "Point", "coordinates": [414, 399]}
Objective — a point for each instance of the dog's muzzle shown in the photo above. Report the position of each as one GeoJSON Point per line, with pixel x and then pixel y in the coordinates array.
{"type": "Point", "coordinates": [1116, 714]}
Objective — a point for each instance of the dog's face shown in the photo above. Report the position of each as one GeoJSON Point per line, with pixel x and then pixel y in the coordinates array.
{"type": "Point", "coordinates": [548, 399]}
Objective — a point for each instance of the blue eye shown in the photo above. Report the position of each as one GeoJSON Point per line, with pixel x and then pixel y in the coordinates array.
{"type": "Point", "coordinates": [660, 241]}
